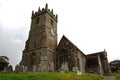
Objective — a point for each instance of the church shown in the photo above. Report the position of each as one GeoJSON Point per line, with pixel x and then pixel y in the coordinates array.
{"type": "Point", "coordinates": [42, 53]}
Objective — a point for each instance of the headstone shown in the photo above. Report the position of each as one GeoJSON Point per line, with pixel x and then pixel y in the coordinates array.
{"type": "Point", "coordinates": [8, 69]}
{"type": "Point", "coordinates": [39, 68]}
{"type": "Point", "coordinates": [34, 68]}
{"type": "Point", "coordinates": [64, 67]}
{"type": "Point", "coordinates": [51, 66]}
{"type": "Point", "coordinates": [44, 66]}
{"type": "Point", "coordinates": [74, 69]}
{"type": "Point", "coordinates": [61, 71]}
{"type": "Point", "coordinates": [78, 72]}
{"type": "Point", "coordinates": [25, 69]}
{"type": "Point", "coordinates": [19, 69]}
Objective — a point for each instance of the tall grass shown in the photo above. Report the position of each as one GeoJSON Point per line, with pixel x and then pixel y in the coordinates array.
{"type": "Point", "coordinates": [49, 76]}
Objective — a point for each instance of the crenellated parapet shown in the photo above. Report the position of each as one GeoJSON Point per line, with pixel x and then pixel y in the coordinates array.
{"type": "Point", "coordinates": [44, 10]}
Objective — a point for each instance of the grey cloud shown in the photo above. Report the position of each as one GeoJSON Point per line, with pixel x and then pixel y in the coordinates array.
{"type": "Point", "coordinates": [12, 43]}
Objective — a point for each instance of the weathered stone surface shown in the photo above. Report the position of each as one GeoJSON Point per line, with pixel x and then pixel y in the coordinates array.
{"type": "Point", "coordinates": [75, 69]}
{"type": "Point", "coordinates": [44, 66]}
{"type": "Point", "coordinates": [51, 66]}
{"type": "Point", "coordinates": [69, 56]}
{"type": "Point", "coordinates": [19, 69]}
{"type": "Point", "coordinates": [98, 63]}
{"type": "Point", "coordinates": [39, 68]}
{"type": "Point", "coordinates": [64, 67]}
{"type": "Point", "coordinates": [25, 69]}
{"type": "Point", "coordinates": [8, 69]}
{"type": "Point", "coordinates": [42, 42]}
{"type": "Point", "coordinates": [34, 68]}
{"type": "Point", "coordinates": [78, 72]}
{"type": "Point", "coordinates": [42, 53]}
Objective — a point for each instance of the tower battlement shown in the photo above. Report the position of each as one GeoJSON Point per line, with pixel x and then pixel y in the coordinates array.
{"type": "Point", "coordinates": [44, 10]}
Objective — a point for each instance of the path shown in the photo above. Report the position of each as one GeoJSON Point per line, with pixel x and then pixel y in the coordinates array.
{"type": "Point", "coordinates": [110, 78]}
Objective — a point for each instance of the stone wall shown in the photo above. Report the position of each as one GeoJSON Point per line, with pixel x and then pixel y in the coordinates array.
{"type": "Point", "coordinates": [68, 53]}
{"type": "Point", "coordinates": [39, 51]}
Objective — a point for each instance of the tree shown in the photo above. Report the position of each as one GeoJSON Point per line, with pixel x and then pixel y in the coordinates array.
{"type": "Point", "coordinates": [4, 62]}
{"type": "Point", "coordinates": [115, 65]}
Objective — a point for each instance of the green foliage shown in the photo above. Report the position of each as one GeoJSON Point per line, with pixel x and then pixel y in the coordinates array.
{"type": "Point", "coordinates": [3, 62]}
{"type": "Point", "coordinates": [117, 76]}
{"type": "Point", "coordinates": [115, 65]}
{"type": "Point", "coordinates": [49, 76]}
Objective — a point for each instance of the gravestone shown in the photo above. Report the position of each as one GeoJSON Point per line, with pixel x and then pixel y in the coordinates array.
{"type": "Point", "coordinates": [20, 68]}
{"type": "Point", "coordinates": [51, 66]}
{"type": "Point", "coordinates": [34, 68]}
{"type": "Point", "coordinates": [8, 69]}
{"type": "Point", "coordinates": [78, 72]}
{"type": "Point", "coordinates": [75, 69]}
{"type": "Point", "coordinates": [39, 68]}
{"type": "Point", "coordinates": [64, 67]}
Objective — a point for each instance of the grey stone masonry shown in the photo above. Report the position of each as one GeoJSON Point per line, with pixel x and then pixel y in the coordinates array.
{"type": "Point", "coordinates": [42, 53]}
{"type": "Point", "coordinates": [40, 48]}
{"type": "Point", "coordinates": [8, 69]}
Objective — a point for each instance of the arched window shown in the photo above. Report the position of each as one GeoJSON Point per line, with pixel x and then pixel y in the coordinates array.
{"type": "Point", "coordinates": [63, 56]}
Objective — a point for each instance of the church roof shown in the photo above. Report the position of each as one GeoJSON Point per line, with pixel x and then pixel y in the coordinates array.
{"type": "Point", "coordinates": [65, 42]}
{"type": "Point", "coordinates": [102, 54]}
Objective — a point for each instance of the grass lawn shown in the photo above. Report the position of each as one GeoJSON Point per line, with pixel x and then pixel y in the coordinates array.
{"type": "Point", "coordinates": [49, 76]}
{"type": "Point", "coordinates": [117, 76]}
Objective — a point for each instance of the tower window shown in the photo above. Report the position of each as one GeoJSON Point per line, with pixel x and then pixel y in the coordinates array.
{"type": "Point", "coordinates": [37, 20]}
{"type": "Point", "coordinates": [52, 22]}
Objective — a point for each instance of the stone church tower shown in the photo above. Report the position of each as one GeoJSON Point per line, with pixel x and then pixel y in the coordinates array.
{"type": "Point", "coordinates": [42, 53]}
{"type": "Point", "coordinates": [42, 41]}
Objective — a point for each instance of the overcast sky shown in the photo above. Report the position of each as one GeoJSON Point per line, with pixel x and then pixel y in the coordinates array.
{"type": "Point", "coordinates": [92, 25]}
